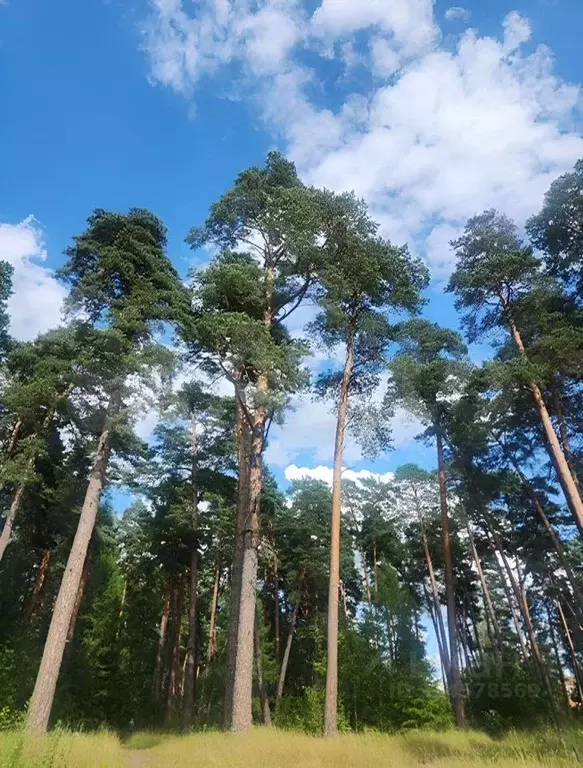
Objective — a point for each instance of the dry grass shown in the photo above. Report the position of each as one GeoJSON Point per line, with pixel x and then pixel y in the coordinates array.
{"type": "Point", "coordinates": [277, 749]}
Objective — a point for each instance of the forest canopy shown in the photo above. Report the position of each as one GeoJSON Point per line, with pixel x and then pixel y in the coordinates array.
{"type": "Point", "coordinates": [449, 594]}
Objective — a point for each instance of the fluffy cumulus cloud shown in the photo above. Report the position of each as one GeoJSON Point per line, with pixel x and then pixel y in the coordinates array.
{"type": "Point", "coordinates": [37, 299]}
{"type": "Point", "coordinates": [442, 134]}
{"type": "Point", "coordinates": [457, 13]}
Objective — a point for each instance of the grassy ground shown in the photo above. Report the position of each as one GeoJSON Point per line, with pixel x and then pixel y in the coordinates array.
{"type": "Point", "coordinates": [277, 749]}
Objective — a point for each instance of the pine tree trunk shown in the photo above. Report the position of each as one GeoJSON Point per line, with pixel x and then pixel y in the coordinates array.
{"type": "Point", "coordinates": [213, 617]}
{"type": "Point", "coordinates": [286, 654]}
{"type": "Point", "coordinates": [15, 434]}
{"type": "Point", "coordinates": [46, 682]}
{"type": "Point", "coordinates": [80, 593]}
{"type": "Point", "coordinates": [38, 587]}
{"type": "Point", "coordinates": [242, 681]}
{"type": "Point", "coordinates": [174, 659]}
{"type": "Point", "coordinates": [456, 687]}
{"type": "Point", "coordinates": [190, 659]}
{"type": "Point", "coordinates": [242, 440]}
{"type": "Point", "coordinates": [443, 655]}
{"type": "Point", "coordinates": [520, 595]}
{"type": "Point", "coordinates": [162, 633]}
{"type": "Point", "coordinates": [331, 710]}
{"type": "Point", "coordinates": [265, 710]}
{"type": "Point", "coordinates": [276, 628]}
{"type": "Point", "coordinates": [558, 659]}
{"type": "Point", "coordinates": [574, 660]}
{"type": "Point", "coordinates": [564, 434]}
{"type": "Point", "coordinates": [436, 605]}
{"type": "Point", "coordinates": [6, 534]}
{"type": "Point", "coordinates": [556, 454]}
{"type": "Point", "coordinates": [557, 543]}
{"type": "Point", "coordinates": [498, 648]}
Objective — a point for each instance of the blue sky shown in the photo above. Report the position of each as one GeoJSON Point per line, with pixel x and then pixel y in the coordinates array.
{"type": "Point", "coordinates": [160, 103]}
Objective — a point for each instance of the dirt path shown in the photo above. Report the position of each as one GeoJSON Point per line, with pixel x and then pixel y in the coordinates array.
{"type": "Point", "coordinates": [138, 758]}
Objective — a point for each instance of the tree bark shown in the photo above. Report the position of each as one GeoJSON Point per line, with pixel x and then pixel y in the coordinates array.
{"type": "Point", "coordinates": [80, 593]}
{"type": "Point", "coordinates": [213, 618]}
{"type": "Point", "coordinates": [242, 440]}
{"type": "Point", "coordinates": [574, 661]}
{"type": "Point", "coordinates": [331, 710]}
{"type": "Point", "coordinates": [498, 649]}
{"type": "Point", "coordinates": [557, 543]}
{"type": "Point", "coordinates": [174, 660]}
{"type": "Point", "coordinates": [14, 435]}
{"type": "Point", "coordinates": [286, 654]}
{"type": "Point", "coordinates": [163, 631]}
{"type": "Point", "coordinates": [190, 659]}
{"type": "Point", "coordinates": [440, 629]}
{"type": "Point", "coordinates": [558, 658]}
{"type": "Point", "coordinates": [46, 682]}
{"type": "Point", "coordinates": [520, 595]}
{"type": "Point", "coordinates": [265, 710]}
{"type": "Point", "coordinates": [564, 433]}
{"type": "Point", "coordinates": [456, 688]}
{"type": "Point", "coordinates": [38, 587]}
{"type": "Point", "coordinates": [6, 534]}
{"type": "Point", "coordinates": [443, 654]}
{"type": "Point", "coordinates": [557, 456]}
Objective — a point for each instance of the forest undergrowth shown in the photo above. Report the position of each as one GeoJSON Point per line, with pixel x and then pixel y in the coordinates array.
{"type": "Point", "coordinates": [272, 748]}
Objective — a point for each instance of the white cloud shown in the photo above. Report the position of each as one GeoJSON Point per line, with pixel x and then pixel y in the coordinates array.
{"type": "Point", "coordinates": [457, 13]}
{"type": "Point", "coordinates": [36, 303]}
{"type": "Point", "coordinates": [309, 429]}
{"type": "Point", "coordinates": [451, 132]}
{"type": "Point", "coordinates": [408, 23]}
{"type": "Point", "coordinates": [325, 474]}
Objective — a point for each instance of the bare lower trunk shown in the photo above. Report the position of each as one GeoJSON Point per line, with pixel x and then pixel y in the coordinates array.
{"type": "Point", "coordinates": [443, 654]}
{"type": "Point", "coordinates": [46, 682]}
{"type": "Point", "coordinates": [555, 451]}
{"type": "Point", "coordinates": [487, 596]}
{"type": "Point", "coordinates": [520, 595]}
{"type": "Point", "coordinates": [174, 660]}
{"type": "Point", "coordinates": [265, 710]}
{"type": "Point", "coordinates": [190, 659]}
{"type": "Point", "coordinates": [241, 683]}
{"type": "Point", "coordinates": [331, 711]}
{"type": "Point", "coordinates": [557, 656]}
{"type": "Point", "coordinates": [242, 439]}
{"type": "Point", "coordinates": [162, 632]}
{"type": "Point", "coordinates": [286, 653]}
{"type": "Point", "coordinates": [574, 661]}
{"type": "Point", "coordinates": [6, 534]}
{"type": "Point", "coordinates": [456, 687]}
{"type": "Point", "coordinates": [38, 587]}
{"type": "Point", "coordinates": [213, 617]}
{"type": "Point", "coordinates": [80, 593]}
{"type": "Point", "coordinates": [436, 605]}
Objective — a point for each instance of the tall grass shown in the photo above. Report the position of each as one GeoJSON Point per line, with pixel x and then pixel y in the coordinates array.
{"type": "Point", "coordinates": [265, 748]}
{"type": "Point", "coordinates": [61, 749]}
